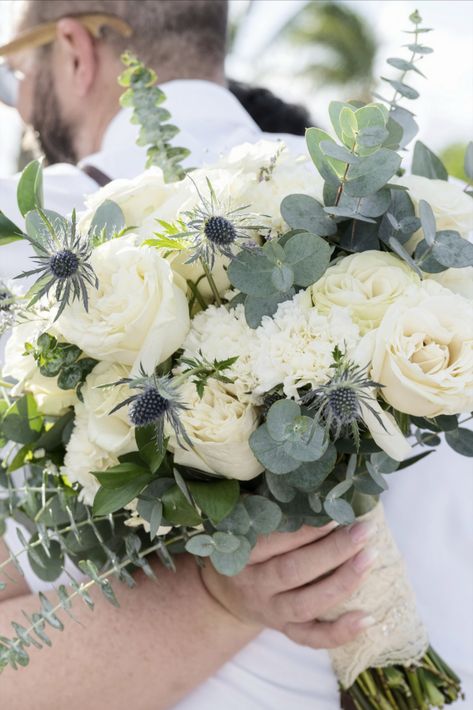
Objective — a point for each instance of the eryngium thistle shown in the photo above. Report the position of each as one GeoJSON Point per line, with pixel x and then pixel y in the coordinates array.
{"type": "Point", "coordinates": [156, 402]}
{"type": "Point", "coordinates": [212, 228]}
{"type": "Point", "coordinates": [63, 258]}
{"type": "Point", "coordinates": [338, 403]}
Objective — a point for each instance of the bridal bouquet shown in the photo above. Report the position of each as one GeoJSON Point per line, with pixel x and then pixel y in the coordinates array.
{"type": "Point", "coordinates": [206, 356]}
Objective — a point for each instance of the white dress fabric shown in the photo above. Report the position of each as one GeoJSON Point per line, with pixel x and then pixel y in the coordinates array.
{"type": "Point", "coordinates": [429, 506]}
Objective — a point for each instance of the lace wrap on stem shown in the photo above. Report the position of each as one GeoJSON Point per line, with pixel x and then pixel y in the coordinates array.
{"type": "Point", "coordinates": [398, 636]}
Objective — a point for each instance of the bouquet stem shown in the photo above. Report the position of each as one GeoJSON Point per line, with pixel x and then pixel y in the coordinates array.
{"type": "Point", "coordinates": [430, 683]}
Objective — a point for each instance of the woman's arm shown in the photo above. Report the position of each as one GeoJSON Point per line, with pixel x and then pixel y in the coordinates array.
{"type": "Point", "coordinates": [171, 635]}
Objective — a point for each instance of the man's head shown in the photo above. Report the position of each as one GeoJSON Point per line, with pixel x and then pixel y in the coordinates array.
{"type": "Point", "coordinates": [70, 92]}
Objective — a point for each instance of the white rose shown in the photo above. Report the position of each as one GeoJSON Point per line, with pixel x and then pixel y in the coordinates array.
{"type": "Point", "coordinates": [457, 280]}
{"type": "Point", "coordinates": [83, 456]}
{"type": "Point", "coordinates": [423, 353]}
{"type": "Point", "coordinates": [138, 315]}
{"type": "Point", "coordinates": [366, 283]}
{"type": "Point", "coordinates": [452, 207]}
{"type": "Point", "coordinates": [112, 432]}
{"type": "Point", "coordinates": [51, 400]}
{"type": "Point", "coordinates": [219, 426]}
{"type": "Point", "coordinates": [138, 199]}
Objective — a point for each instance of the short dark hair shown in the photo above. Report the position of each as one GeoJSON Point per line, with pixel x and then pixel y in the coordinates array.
{"type": "Point", "coordinates": [190, 34]}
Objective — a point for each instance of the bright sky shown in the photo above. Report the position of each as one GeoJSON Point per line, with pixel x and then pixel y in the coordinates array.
{"type": "Point", "coordinates": [444, 110]}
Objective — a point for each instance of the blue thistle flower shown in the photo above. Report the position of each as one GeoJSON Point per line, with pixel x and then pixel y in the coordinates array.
{"type": "Point", "coordinates": [212, 228]}
{"type": "Point", "coordinates": [156, 402]}
{"type": "Point", "coordinates": [63, 258]}
{"type": "Point", "coordinates": [338, 402]}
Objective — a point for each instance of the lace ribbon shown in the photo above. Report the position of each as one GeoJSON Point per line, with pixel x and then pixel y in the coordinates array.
{"type": "Point", "coordinates": [398, 636]}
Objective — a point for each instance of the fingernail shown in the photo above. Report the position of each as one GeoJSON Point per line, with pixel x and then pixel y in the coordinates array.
{"type": "Point", "coordinates": [365, 622]}
{"type": "Point", "coordinates": [364, 559]}
{"type": "Point", "coordinates": [359, 532]}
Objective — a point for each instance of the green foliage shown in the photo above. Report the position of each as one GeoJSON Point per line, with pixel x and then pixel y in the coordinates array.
{"type": "Point", "coordinates": [156, 132]}
{"type": "Point", "coordinates": [30, 188]}
{"type": "Point", "coordinates": [427, 164]}
{"type": "Point", "coordinates": [287, 438]}
{"type": "Point", "coordinates": [9, 232]}
{"type": "Point", "coordinates": [107, 222]}
{"type": "Point", "coordinates": [268, 276]}
{"type": "Point", "coordinates": [458, 158]}
{"type": "Point", "coordinates": [199, 370]}
{"type": "Point", "coordinates": [61, 360]}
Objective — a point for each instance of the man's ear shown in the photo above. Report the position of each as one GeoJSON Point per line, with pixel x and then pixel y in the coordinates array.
{"type": "Point", "coordinates": [77, 51]}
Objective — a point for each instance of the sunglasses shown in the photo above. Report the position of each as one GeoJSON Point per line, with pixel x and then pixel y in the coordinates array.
{"type": "Point", "coordinates": [44, 34]}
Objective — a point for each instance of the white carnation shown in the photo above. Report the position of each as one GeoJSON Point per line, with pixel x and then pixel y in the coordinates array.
{"type": "Point", "coordinates": [219, 334]}
{"type": "Point", "coordinates": [295, 346]}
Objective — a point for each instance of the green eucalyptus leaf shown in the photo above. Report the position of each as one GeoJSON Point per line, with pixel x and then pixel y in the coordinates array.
{"type": "Point", "coordinates": [152, 512]}
{"type": "Point", "coordinates": [330, 169]}
{"type": "Point", "coordinates": [237, 522]}
{"type": "Point", "coordinates": [280, 418]}
{"type": "Point", "coordinates": [404, 89]}
{"type": "Point", "coordinates": [282, 277]}
{"type": "Point", "coordinates": [264, 514]}
{"type": "Point", "coordinates": [251, 273]}
{"type": "Point", "coordinates": [309, 256]}
{"type": "Point", "coordinates": [398, 249]}
{"type": "Point", "coordinates": [107, 221]}
{"type": "Point", "coordinates": [419, 48]}
{"type": "Point", "coordinates": [371, 173]}
{"type": "Point", "coordinates": [372, 136]}
{"type": "Point", "coordinates": [304, 212]}
{"type": "Point", "coordinates": [30, 188]}
{"type": "Point", "coordinates": [256, 308]}
{"type": "Point", "coordinates": [47, 567]}
{"type": "Point", "coordinates": [339, 510]}
{"type": "Point", "coordinates": [226, 542]}
{"type": "Point", "coordinates": [427, 220]}
{"type": "Point", "coordinates": [348, 122]}
{"type": "Point", "coordinates": [230, 564]}
{"type": "Point", "coordinates": [270, 453]}
{"type": "Point", "coordinates": [332, 150]}
{"type": "Point", "coordinates": [280, 487]}
{"type": "Point", "coordinates": [403, 65]}
{"type": "Point", "coordinates": [200, 545]}
{"type": "Point", "coordinates": [451, 250]}
{"type": "Point", "coordinates": [406, 121]}
{"type": "Point", "coordinates": [427, 164]}
{"type": "Point", "coordinates": [425, 259]}
{"type": "Point", "coordinates": [311, 475]}
{"type": "Point", "coordinates": [460, 440]}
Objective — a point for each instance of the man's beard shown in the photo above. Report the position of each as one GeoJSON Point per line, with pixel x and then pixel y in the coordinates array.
{"type": "Point", "coordinates": [55, 136]}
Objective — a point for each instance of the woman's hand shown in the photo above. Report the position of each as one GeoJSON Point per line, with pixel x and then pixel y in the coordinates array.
{"type": "Point", "coordinates": [293, 578]}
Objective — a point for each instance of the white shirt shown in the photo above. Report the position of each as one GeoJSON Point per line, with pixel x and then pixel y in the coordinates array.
{"type": "Point", "coordinates": [429, 506]}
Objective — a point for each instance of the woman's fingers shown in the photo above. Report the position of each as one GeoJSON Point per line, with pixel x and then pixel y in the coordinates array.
{"type": "Point", "coordinates": [307, 603]}
{"type": "Point", "coordinates": [269, 546]}
{"type": "Point", "coordinates": [305, 564]}
{"type": "Point", "coordinates": [329, 634]}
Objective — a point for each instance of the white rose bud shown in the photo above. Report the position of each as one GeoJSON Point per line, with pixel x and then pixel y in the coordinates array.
{"type": "Point", "coordinates": [219, 426]}
{"type": "Point", "coordinates": [366, 283]}
{"type": "Point", "coordinates": [137, 316]}
{"type": "Point", "coordinates": [112, 432]}
{"type": "Point", "coordinates": [423, 353]}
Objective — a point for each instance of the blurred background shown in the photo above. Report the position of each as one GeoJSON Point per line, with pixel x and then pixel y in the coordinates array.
{"type": "Point", "coordinates": [314, 51]}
